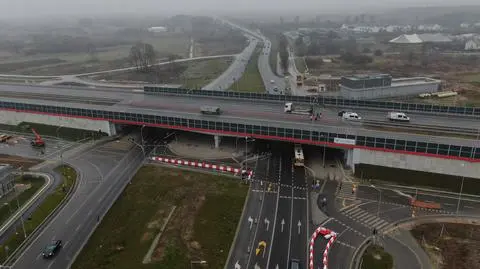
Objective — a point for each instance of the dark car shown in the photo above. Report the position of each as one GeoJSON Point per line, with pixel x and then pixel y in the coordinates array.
{"type": "Point", "coordinates": [52, 248]}
{"type": "Point", "coordinates": [340, 114]}
{"type": "Point", "coordinates": [294, 264]}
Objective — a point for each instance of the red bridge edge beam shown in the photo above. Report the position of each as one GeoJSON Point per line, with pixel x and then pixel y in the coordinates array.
{"type": "Point", "coordinates": [288, 139]}
{"type": "Point", "coordinates": [217, 167]}
{"type": "Point", "coordinates": [327, 234]}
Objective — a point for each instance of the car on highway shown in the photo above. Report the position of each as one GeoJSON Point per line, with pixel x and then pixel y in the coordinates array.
{"type": "Point", "coordinates": [349, 115]}
{"type": "Point", "coordinates": [397, 116]}
{"type": "Point", "coordinates": [275, 89]}
{"type": "Point", "coordinates": [52, 249]}
{"type": "Point", "coordinates": [294, 264]}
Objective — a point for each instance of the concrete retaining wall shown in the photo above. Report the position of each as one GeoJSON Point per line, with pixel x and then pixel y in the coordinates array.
{"type": "Point", "coordinates": [417, 163]}
{"type": "Point", "coordinates": [14, 118]}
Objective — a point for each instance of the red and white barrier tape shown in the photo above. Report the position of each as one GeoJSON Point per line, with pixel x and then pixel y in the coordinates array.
{"type": "Point", "coordinates": [222, 168]}
{"type": "Point", "coordinates": [327, 234]}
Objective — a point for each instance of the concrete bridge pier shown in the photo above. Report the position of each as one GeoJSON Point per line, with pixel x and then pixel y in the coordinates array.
{"type": "Point", "coordinates": [348, 159]}
{"type": "Point", "coordinates": [217, 139]}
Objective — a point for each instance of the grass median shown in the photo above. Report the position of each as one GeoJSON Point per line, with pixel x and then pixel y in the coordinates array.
{"type": "Point", "coordinates": [251, 80]}
{"type": "Point", "coordinates": [375, 257]}
{"type": "Point", "coordinates": [70, 134]}
{"type": "Point", "coordinates": [205, 210]}
{"type": "Point", "coordinates": [12, 201]}
{"type": "Point", "coordinates": [69, 176]}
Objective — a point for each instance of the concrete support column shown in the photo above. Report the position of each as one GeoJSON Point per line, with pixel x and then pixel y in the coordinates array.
{"type": "Point", "coordinates": [217, 139]}
{"type": "Point", "coordinates": [112, 130]}
{"type": "Point", "coordinates": [349, 158]}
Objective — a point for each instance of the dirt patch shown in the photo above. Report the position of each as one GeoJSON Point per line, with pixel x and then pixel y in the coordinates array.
{"type": "Point", "coordinates": [450, 245]}
{"type": "Point", "coordinates": [17, 161]}
{"type": "Point", "coordinates": [182, 221]}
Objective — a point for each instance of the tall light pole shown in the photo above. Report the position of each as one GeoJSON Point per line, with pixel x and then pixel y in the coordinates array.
{"type": "Point", "coordinates": [324, 148]}
{"type": "Point", "coordinates": [141, 133]}
{"type": "Point", "coordinates": [379, 199]}
{"type": "Point", "coordinates": [58, 129]}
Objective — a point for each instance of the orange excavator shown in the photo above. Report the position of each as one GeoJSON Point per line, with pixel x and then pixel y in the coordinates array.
{"type": "Point", "coordinates": [37, 141]}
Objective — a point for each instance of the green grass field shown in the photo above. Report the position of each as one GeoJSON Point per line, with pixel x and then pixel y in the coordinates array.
{"type": "Point", "coordinates": [200, 73]}
{"type": "Point", "coordinates": [107, 58]}
{"type": "Point", "coordinates": [208, 208]}
{"type": "Point", "coordinates": [251, 81]}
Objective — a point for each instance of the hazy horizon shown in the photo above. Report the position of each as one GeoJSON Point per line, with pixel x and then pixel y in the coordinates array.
{"type": "Point", "coordinates": [23, 9]}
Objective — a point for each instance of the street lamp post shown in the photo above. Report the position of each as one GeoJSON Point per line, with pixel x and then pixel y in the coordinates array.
{"type": "Point", "coordinates": [141, 133]}
{"type": "Point", "coordinates": [197, 262]}
{"type": "Point", "coordinates": [58, 129]}
{"type": "Point", "coordinates": [460, 195]}
{"type": "Point", "coordinates": [379, 199]}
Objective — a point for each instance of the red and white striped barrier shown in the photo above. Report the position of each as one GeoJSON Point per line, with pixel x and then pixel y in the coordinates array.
{"type": "Point", "coordinates": [327, 234]}
{"type": "Point", "coordinates": [217, 167]}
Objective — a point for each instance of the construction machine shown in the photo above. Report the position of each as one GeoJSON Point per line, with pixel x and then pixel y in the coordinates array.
{"type": "Point", "coordinates": [37, 141]}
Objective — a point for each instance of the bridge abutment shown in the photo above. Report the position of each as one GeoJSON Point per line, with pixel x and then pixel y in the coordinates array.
{"type": "Point", "coordinates": [417, 163]}
{"type": "Point", "coordinates": [15, 118]}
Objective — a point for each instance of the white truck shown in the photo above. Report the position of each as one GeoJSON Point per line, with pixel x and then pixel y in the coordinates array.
{"type": "Point", "coordinates": [301, 110]}
{"type": "Point", "coordinates": [210, 110]}
{"type": "Point", "coordinates": [397, 116]}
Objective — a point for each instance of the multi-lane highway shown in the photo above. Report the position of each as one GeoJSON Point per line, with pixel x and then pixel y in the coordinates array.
{"type": "Point", "coordinates": [104, 171]}
{"type": "Point", "coordinates": [275, 226]}
{"type": "Point", "coordinates": [235, 70]}
{"type": "Point", "coordinates": [235, 111]}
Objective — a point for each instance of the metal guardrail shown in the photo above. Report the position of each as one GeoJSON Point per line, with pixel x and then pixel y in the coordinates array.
{"type": "Point", "coordinates": [320, 100]}
{"type": "Point", "coordinates": [421, 127]}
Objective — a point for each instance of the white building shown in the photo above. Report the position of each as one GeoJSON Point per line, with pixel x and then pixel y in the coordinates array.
{"type": "Point", "coordinates": [472, 45]}
{"type": "Point", "coordinates": [157, 29]}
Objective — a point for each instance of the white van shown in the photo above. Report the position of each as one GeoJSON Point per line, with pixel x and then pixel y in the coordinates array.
{"type": "Point", "coordinates": [397, 116]}
{"type": "Point", "coordinates": [351, 116]}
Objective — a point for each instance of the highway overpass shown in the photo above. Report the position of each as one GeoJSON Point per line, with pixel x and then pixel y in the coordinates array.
{"type": "Point", "coordinates": [102, 109]}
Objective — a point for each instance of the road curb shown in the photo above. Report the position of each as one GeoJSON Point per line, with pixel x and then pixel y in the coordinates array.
{"type": "Point", "coordinates": [355, 261]}
{"type": "Point", "coordinates": [409, 223]}
{"type": "Point", "coordinates": [34, 234]}
{"type": "Point", "coordinates": [30, 201]}
{"type": "Point", "coordinates": [238, 228]}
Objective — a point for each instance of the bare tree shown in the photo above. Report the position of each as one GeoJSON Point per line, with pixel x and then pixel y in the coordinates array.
{"type": "Point", "coordinates": [143, 56]}
{"type": "Point", "coordinates": [135, 56]}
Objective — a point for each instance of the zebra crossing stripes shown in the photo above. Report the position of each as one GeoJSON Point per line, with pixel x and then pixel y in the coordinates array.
{"type": "Point", "coordinates": [365, 218]}
{"type": "Point", "coordinates": [344, 190]}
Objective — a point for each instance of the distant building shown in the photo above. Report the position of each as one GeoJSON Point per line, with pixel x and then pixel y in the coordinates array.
{"type": "Point", "coordinates": [378, 86]}
{"type": "Point", "coordinates": [157, 29]}
{"type": "Point", "coordinates": [419, 42]}
{"type": "Point", "coordinates": [7, 179]}
{"type": "Point", "coordinates": [472, 45]}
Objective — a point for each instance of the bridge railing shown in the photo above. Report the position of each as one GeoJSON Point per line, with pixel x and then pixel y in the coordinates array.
{"type": "Point", "coordinates": [262, 130]}
{"type": "Point", "coordinates": [320, 100]}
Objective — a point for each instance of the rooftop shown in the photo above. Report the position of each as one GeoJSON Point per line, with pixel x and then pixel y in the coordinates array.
{"type": "Point", "coordinates": [367, 76]}
{"type": "Point", "coordinates": [420, 38]}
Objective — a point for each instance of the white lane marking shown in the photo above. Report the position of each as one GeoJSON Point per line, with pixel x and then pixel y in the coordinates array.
{"type": "Point", "coordinates": [78, 227]}
{"type": "Point", "coordinates": [90, 212]}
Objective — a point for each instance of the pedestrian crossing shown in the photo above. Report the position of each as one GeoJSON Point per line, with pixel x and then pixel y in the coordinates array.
{"type": "Point", "coordinates": [347, 190]}
{"type": "Point", "coordinates": [366, 218]}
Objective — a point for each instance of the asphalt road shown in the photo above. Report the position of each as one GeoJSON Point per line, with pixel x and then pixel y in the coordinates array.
{"type": "Point", "coordinates": [104, 171]}
{"type": "Point", "coordinates": [380, 207]}
{"type": "Point", "coordinates": [246, 112]}
{"type": "Point", "coordinates": [266, 71]}
{"type": "Point", "coordinates": [235, 70]}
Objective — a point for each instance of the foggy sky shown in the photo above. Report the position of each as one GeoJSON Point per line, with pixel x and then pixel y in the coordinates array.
{"type": "Point", "coordinates": [40, 8]}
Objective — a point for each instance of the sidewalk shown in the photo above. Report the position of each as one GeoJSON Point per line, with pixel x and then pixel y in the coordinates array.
{"type": "Point", "coordinates": [329, 172]}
